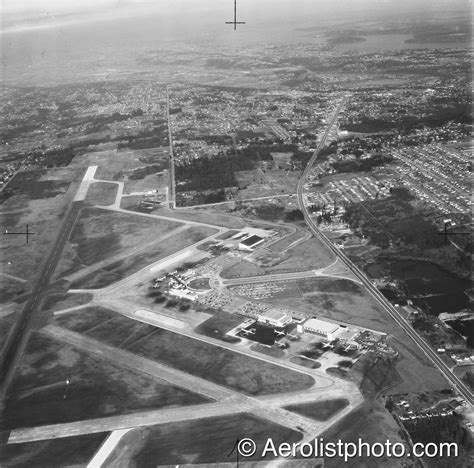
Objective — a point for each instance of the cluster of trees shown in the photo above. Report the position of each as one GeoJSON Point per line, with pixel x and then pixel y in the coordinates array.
{"type": "Point", "coordinates": [438, 429]}
{"type": "Point", "coordinates": [393, 219]}
{"type": "Point", "coordinates": [362, 165]}
{"type": "Point", "coordinates": [54, 157]}
{"type": "Point", "coordinates": [142, 172]}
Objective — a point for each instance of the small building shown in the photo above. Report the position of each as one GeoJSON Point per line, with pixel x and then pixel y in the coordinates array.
{"type": "Point", "coordinates": [322, 328]}
{"type": "Point", "coordinates": [250, 242]}
{"type": "Point", "coordinates": [274, 318]}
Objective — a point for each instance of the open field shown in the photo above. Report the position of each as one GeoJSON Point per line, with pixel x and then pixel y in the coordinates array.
{"type": "Point", "coordinates": [189, 442]}
{"type": "Point", "coordinates": [100, 234]}
{"type": "Point", "coordinates": [122, 268]}
{"type": "Point", "coordinates": [218, 325]}
{"type": "Point", "coordinates": [5, 327]}
{"type": "Point", "coordinates": [344, 301]}
{"type": "Point", "coordinates": [237, 371]}
{"type": "Point", "coordinates": [115, 165]}
{"type": "Point", "coordinates": [308, 255]}
{"type": "Point", "coordinates": [305, 362]}
{"type": "Point", "coordinates": [283, 244]}
{"type": "Point", "coordinates": [75, 451]}
{"type": "Point", "coordinates": [58, 383]}
{"type": "Point", "coordinates": [202, 215]}
{"type": "Point", "coordinates": [63, 301]}
{"type": "Point", "coordinates": [256, 183]}
{"type": "Point", "coordinates": [17, 258]}
{"type": "Point", "coordinates": [102, 193]}
{"type": "Point", "coordinates": [36, 185]}
{"type": "Point", "coordinates": [11, 289]}
{"type": "Point", "coordinates": [372, 423]}
{"type": "Point", "coordinates": [319, 410]}
{"type": "Point", "coordinates": [242, 269]}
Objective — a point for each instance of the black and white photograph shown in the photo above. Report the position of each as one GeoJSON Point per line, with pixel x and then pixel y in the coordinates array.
{"type": "Point", "coordinates": [236, 233]}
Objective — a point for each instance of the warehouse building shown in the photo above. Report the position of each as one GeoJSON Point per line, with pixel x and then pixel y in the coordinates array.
{"type": "Point", "coordinates": [274, 318]}
{"type": "Point", "coordinates": [250, 242]}
{"type": "Point", "coordinates": [321, 327]}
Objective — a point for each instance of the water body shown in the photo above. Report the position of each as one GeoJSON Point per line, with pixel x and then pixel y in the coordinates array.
{"type": "Point", "coordinates": [431, 287]}
{"type": "Point", "coordinates": [382, 42]}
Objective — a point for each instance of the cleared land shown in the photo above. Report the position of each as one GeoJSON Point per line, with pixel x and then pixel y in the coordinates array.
{"type": "Point", "coordinates": [58, 383]}
{"type": "Point", "coordinates": [221, 366]}
{"type": "Point", "coordinates": [100, 234]}
{"type": "Point", "coordinates": [189, 442]}
{"type": "Point", "coordinates": [319, 410]}
{"type": "Point", "coordinates": [11, 289]}
{"type": "Point", "coordinates": [218, 325]}
{"type": "Point", "coordinates": [63, 301]}
{"type": "Point", "coordinates": [122, 268]}
{"type": "Point", "coordinates": [308, 255]}
{"type": "Point", "coordinates": [41, 214]}
{"type": "Point", "coordinates": [75, 451]}
{"type": "Point", "coordinates": [372, 423]}
{"type": "Point", "coordinates": [102, 193]}
{"type": "Point", "coordinates": [283, 244]}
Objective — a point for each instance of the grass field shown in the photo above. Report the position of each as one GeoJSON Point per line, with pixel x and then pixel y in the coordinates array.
{"type": "Point", "coordinates": [204, 216]}
{"type": "Point", "coordinates": [224, 367]}
{"type": "Point", "coordinates": [272, 182]}
{"type": "Point", "coordinates": [102, 193]}
{"type": "Point", "coordinates": [113, 165]}
{"type": "Point", "coordinates": [241, 270]}
{"type": "Point", "coordinates": [39, 393]}
{"type": "Point", "coordinates": [372, 423]}
{"type": "Point", "coordinates": [218, 325]}
{"type": "Point", "coordinates": [100, 234]}
{"type": "Point", "coordinates": [283, 244]}
{"type": "Point", "coordinates": [319, 410]}
{"type": "Point", "coordinates": [305, 362]}
{"type": "Point", "coordinates": [202, 441]}
{"type": "Point", "coordinates": [5, 327]}
{"type": "Point", "coordinates": [308, 255]}
{"type": "Point", "coordinates": [122, 268]}
{"type": "Point", "coordinates": [10, 289]}
{"type": "Point", "coordinates": [77, 451]}
{"type": "Point", "coordinates": [63, 301]}
{"type": "Point", "coordinates": [18, 258]}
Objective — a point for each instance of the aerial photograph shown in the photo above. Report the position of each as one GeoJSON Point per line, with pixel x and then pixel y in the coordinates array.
{"type": "Point", "coordinates": [236, 233]}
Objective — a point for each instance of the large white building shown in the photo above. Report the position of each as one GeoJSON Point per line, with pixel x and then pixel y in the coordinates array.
{"type": "Point", "coordinates": [321, 327]}
{"type": "Point", "coordinates": [275, 318]}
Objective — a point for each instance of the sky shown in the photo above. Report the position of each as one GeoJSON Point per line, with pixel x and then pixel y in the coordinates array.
{"type": "Point", "coordinates": [25, 14]}
{"type": "Point", "coordinates": [57, 6]}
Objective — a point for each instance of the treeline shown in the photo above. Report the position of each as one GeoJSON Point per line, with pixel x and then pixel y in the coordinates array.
{"type": "Point", "coordinates": [438, 429]}
{"type": "Point", "coordinates": [215, 173]}
{"type": "Point", "coordinates": [393, 219]}
{"type": "Point", "coordinates": [55, 157]}
{"type": "Point", "coordinates": [143, 143]}
{"type": "Point", "coordinates": [362, 165]}
{"type": "Point", "coordinates": [219, 172]}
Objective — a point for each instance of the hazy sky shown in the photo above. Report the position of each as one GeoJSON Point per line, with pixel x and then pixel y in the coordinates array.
{"type": "Point", "coordinates": [56, 6]}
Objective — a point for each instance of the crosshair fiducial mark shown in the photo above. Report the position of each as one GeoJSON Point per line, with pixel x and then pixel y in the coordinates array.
{"type": "Point", "coordinates": [447, 233]}
{"type": "Point", "coordinates": [27, 233]}
{"type": "Point", "coordinates": [235, 22]}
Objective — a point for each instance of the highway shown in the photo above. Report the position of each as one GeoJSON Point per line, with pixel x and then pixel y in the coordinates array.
{"type": "Point", "coordinates": [172, 191]}
{"type": "Point", "coordinates": [375, 293]}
